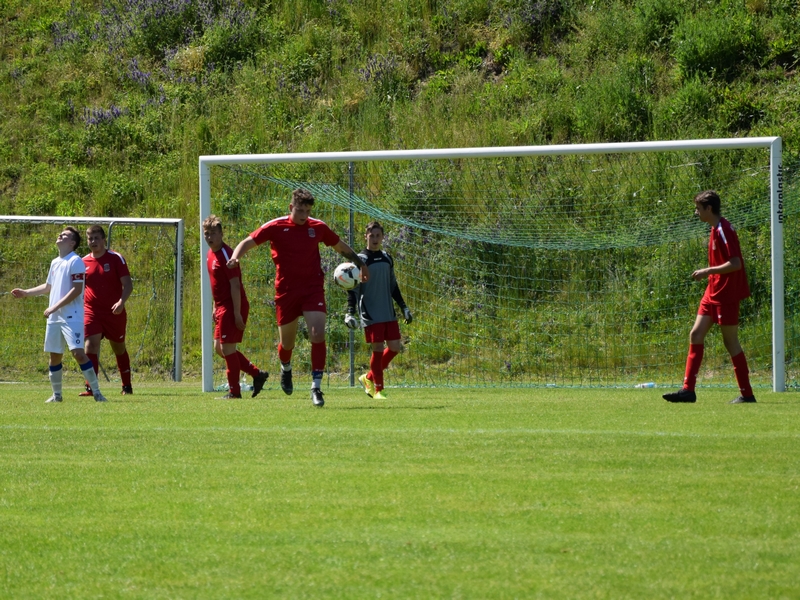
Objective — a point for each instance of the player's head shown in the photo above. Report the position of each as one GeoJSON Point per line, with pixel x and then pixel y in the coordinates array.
{"type": "Point", "coordinates": [72, 235]}
{"type": "Point", "coordinates": [96, 238]}
{"type": "Point", "coordinates": [708, 198]}
{"type": "Point", "coordinates": [212, 232]}
{"type": "Point", "coordinates": [300, 207]}
{"type": "Point", "coordinates": [374, 235]}
{"type": "Point", "coordinates": [212, 222]}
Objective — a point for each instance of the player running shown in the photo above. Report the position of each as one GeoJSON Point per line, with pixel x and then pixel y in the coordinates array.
{"type": "Point", "coordinates": [65, 312]}
{"type": "Point", "coordinates": [230, 311]}
{"type": "Point", "coordinates": [299, 282]}
{"type": "Point", "coordinates": [727, 287]}
{"type": "Point", "coordinates": [108, 287]}
{"type": "Point", "coordinates": [373, 300]}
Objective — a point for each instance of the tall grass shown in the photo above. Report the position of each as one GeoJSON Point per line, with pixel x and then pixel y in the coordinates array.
{"type": "Point", "coordinates": [105, 106]}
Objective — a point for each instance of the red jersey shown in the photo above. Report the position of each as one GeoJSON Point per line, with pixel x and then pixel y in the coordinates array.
{"type": "Point", "coordinates": [221, 275]}
{"type": "Point", "coordinates": [723, 245]}
{"type": "Point", "coordinates": [103, 285]}
{"type": "Point", "coordinates": [295, 251]}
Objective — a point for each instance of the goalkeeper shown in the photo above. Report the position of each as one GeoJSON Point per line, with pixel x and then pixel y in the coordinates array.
{"type": "Point", "coordinates": [373, 300]}
{"type": "Point", "coordinates": [727, 287]}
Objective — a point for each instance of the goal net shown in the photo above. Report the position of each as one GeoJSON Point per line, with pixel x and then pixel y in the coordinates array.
{"type": "Point", "coordinates": [153, 249]}
{"type": "Point", "coordinates": [535, 266]}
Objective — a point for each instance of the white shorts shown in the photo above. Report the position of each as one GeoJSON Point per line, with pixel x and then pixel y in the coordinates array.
{"type": "Point", "coordinates": [59, 331]}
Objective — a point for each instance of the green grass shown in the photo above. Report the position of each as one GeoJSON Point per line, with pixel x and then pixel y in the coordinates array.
{"type": "Point", "coordinates": [434, 493]}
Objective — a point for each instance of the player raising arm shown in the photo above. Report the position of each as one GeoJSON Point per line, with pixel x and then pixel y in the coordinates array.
{"type": "Point", "coordinates": [65, 312]}
{"type": "Point", "coordinates": [108, 287]}
{"type": "Point", "coordinates": [727, 287]}
{"type": "Point", "coordinates": [230, 311]}
{"type": "Point", "coordinates": [373, 301]}
{"type": "Point", "coordinates": [299, 281]}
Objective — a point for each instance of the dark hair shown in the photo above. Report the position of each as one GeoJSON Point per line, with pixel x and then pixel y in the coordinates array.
{"type": "Point", "coordinates": [212, 221]}
{"type": "Point", "coordinates": [709, 198]}
{"type": "Point", "coordinates": [301, 196]}
{"type": "Point", "coordinates": [96, 229]}
{"type": "Point", "coordinates": [372, 225]}
{"type": "Point", "coordinates": [75, 235]}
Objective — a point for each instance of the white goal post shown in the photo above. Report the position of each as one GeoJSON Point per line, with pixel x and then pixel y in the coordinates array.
{"type": "Point", "coordinates": [772, 144]}
{"type": "Point", "coordinates": [111, 223]}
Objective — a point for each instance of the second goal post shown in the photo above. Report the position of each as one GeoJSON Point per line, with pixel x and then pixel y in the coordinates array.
{"type": "Point", "coordinates": [540, 265]}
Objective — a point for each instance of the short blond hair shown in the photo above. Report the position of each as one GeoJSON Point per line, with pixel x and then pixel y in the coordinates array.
{"type": "Point", "coordinates": [211, 222]}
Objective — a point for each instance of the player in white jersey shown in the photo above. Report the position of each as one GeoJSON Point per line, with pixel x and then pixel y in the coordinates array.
{"type": "Point", "coordinates": [65, 312]}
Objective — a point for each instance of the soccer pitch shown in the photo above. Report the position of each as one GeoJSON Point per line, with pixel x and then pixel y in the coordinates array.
{"type": "Point", "coordinates": [497, 493]}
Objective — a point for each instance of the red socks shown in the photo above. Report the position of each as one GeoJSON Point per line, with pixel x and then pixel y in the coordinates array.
{"type": "Point", "coordinates": [378, 362]}
{"type": "Point", "coordinates": [232, 372]}
{"type": "Point", "coordinates": [284, 355]}
{"type": "Point", "coordinates": [246, 366]}
{"type": "Point", "coordinates": [693, 362]}
{"type": "Point", "coordinates": [319, 353]}
{"type": "Point", "coordinates": [124, 366]}
{"type": "Point", "coordinates": [742, 374]}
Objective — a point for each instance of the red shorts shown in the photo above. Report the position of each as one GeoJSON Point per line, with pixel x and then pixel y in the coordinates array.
{"type": "Point", "coordinates": [106, 322]}
{"type": "Point", "coordinates": [382, 332]}
{"type": "Point", "coordinates": [721, 314]}
{"type": "Point", "coordinates": [291, 305]}
{"type": "Point", "coordinates": [226, 330]}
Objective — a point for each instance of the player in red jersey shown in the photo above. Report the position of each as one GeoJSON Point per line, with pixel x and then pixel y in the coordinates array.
{"type": "Point", "coordinates": [299, 281]}
{"type": "Point", "coordinates": [727, 287]}
{"type": "Point", "coordinates": [108, 287]}
{"type": "Point", "coordinates": [230, 311]}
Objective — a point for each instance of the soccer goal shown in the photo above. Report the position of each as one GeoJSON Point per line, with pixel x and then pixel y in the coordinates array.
{"type": "Point", "coordinates": [153, 249]}
{"type": "Point", "coordinates": [533, 266]}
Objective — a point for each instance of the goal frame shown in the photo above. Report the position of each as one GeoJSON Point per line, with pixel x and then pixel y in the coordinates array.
{"type": "Point", "coordinates": [110, 222]}
{"type": "Point", "coordinates": [774, 144]}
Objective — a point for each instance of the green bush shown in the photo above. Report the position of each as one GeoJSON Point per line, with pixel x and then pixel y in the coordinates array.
{"type": "Point", "coordinates": [718, 46]}
{"type": "Point", "coordinates": [657, 20]}
{"type": "Point", "coordinates": [614, 105]}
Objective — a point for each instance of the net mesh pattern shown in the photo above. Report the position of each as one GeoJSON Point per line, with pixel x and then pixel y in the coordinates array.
{"type": "Point", "coordinates": [564, 270]}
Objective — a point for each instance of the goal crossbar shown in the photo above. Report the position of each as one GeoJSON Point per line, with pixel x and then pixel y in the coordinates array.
{"type": "Point", "coordinates": [774, 144]}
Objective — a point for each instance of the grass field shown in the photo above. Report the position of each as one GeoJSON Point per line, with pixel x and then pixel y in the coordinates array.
{"type": "Point", "coordinates": [455, 493]}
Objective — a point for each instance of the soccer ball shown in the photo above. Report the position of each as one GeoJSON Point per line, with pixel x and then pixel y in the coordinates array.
{"type": "Point", "coordinates": [346, 276]}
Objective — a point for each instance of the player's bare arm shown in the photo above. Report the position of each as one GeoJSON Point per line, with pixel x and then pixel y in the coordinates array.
{"type": "Point", "coordinates": [346, 251]}
{"type": "Point", "coordinates": [734, 264]}
{"type": "Point", "coordinates": [35, 291]}
{"type": "Point", "coordinates": [74, 292]}
{"type": "Point", "coordinates": [127, 290]}
{"type": "Point", "coordinates": [241, 249]}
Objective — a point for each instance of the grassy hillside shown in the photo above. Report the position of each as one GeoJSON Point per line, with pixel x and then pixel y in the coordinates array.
{"type": "Point", "coordinates": [105, 105]}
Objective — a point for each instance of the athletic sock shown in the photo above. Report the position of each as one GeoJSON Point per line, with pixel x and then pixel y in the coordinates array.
{"type": "Point", "coordinates": [246, 366]}
{"type": "Point", "coordinates": [376, 369]}
{"type": "Point", "coordinates": [316, 379]}
{"type": "Point", "coordinates": [742, 374]}
{"type": "Point", "coordinates": [285, 355]}
{"type": "Point", "coordinates": [388, 355]}
{"type": "Point", "coordinates": [319, 354]}
{"type": "Point", "coordinates": [232, 371]}
{"type": "Point", "coordinates": [693, 362]}
{"type": "Point", "coordinates": [124, 367]}
{"type": "Point", "coordinates": [91, 377]}
{"type": "Point", "coordinates": [56, 377]}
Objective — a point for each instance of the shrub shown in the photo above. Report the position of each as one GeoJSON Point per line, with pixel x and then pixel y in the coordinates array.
{"type": "Point", "coordinates": [614, 104]}
{"type": "Point", "coordinates": [717, 46]}
{"type": "Point", "coordinates": [657, 20]}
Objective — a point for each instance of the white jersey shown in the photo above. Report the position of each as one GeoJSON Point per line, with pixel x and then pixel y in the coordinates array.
{"type": "Point", "coordinates": [63, 273]}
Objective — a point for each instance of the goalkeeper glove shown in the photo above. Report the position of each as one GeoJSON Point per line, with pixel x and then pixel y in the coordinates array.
{"type": "Point", "coordinates": [407, 315]}
{"type": "Point", "coordinates": [351, 322]}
